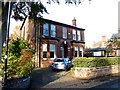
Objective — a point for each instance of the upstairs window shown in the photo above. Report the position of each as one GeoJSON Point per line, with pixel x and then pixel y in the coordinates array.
{"type": "Point", "coordinates": [45, 29]}
{"type": "Point", "coordinates": [83, 36]}
{"type": "Point", "coordinates": [78, 35]}
{"type": "Point", "coordinates": [74, 34]}
{"type": "Point", "coordinates": [53, 31]}
{"type": "Point", "coordinates": [64, 32]}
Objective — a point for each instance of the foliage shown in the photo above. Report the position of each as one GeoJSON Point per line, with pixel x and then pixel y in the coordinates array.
{"type": "Point", "coordinates": [20, 58]}
{"type": "Point", "coordinates": [96, 61]}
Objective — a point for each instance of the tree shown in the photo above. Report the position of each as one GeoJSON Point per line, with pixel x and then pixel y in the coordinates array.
{"type": "Point", "coordinates": [23, 9]}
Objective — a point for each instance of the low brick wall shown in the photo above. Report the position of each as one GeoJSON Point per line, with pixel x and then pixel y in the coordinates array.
{"type": "Point", "coordinates": [89, 73]}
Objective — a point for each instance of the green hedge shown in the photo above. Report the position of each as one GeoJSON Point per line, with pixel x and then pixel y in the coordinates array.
{"type": "Point", "coordinates": [96, 61]}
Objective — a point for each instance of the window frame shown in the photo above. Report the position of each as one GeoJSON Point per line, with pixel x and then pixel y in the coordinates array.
{"type": "Point", "coordinates": [52, 30]}
{"type": "Point", "coordinates": [73, 33]}
{"type": "Point", "coordinates": [46, 29]}
{"type": "Point", "coordinates": [44, 51]}
{"type": "Point", "coordinates": [64, 32]}
{"type": "Point", "coordinates": [54, 50]}
{"type": "Point", "coordinates": [78, 35]}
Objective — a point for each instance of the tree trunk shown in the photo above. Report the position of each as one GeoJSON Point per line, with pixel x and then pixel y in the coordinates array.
{"type": "Point", "coordinates": [3, 23]}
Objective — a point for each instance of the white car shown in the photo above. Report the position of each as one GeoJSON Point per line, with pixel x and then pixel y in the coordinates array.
{"type": "Point", "coordinates": [62, 64]}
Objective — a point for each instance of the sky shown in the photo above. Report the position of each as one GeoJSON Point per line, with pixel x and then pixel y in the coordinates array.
{"type": "Point", "coordinates": [98, 18]}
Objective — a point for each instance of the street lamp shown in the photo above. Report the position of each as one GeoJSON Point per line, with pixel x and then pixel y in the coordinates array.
{"type": "Point", "coordinates": [7, 40]}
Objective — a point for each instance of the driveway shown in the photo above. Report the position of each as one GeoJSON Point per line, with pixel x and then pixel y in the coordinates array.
{"type": "Point", "coordinates": [46, 78]}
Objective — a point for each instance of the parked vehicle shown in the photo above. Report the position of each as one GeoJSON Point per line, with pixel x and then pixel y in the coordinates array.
{"type": "Point", "coordinates": [61, 64]}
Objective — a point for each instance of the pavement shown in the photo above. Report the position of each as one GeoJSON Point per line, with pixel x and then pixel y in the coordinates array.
{"type": "Point", "coordinates": [46, 78]}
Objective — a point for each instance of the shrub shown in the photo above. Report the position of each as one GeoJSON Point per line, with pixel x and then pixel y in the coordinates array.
{"type": "Point", "coordinates": [19, 59]}
{"type": "Point", "coordinates": [96, 61]}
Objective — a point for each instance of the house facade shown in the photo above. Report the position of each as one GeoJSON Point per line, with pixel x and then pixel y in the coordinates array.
{"type": "Point", "coordinates": [53, 39]}
{"type": "Point", "coordinates": [116, 47]}
{"type": "Point", "coordinates": [100, 44]}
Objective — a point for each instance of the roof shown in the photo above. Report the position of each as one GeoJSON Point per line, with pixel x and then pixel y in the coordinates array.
{"type": "Point", "coordinates": [95, 49]}
{"type": "Point", "coordinates": [66, 25]}
{"type": "Point", "coordinates": [116, 35]}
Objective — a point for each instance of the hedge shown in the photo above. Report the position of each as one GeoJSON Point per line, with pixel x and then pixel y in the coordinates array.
{"type": "Point", "coordinates": [95, 61]}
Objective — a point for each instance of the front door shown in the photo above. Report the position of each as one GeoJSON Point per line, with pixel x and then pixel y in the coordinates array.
{"type": "Point", "coordinates": [65, 51]}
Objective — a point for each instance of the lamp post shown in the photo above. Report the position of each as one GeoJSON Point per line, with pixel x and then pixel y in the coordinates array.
{"type": "Point", "coordinates": [7, 40]}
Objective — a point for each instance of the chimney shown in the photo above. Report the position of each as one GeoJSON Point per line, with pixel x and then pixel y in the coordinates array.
{"type": "Point", "coordinates": [74, 22]}
{"type": "Point", "coordinates": [104, 38]}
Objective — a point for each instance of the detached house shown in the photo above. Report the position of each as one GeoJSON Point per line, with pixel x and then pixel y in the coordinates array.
{"type": "Point", "coordinates": [53, 39]}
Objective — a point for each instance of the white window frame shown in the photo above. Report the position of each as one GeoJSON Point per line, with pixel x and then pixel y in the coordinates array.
{"type": "Point", "coordinates": [44, 49]}
{"type": "Point", "coordinates": [64, 32]}
{"type": "Point", "coordinates": [53, 50]}
{"type": "Point", "coordinates": [76, 49]}
{"type": "Point", "coordinates": [74, 34]}
{"type": "Point", "coordinates": [46, 29]}
{"type": "Point", "coordinates": [53, 30]}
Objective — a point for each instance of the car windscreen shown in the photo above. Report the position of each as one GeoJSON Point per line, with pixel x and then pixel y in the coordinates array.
{"type": "Point", "coordinates": [58, 60]}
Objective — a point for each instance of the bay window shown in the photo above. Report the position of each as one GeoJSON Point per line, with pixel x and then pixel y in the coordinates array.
{"type": "Point", "coordinates": [44, 50]}
{"type": "Point", "coordinates": [52, 50]}
{"type": "Point", "coordinates": [76, 51]}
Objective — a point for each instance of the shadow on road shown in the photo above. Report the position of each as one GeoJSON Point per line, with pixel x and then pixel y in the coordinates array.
{"type": "Point", "coordinates": [41, 77]}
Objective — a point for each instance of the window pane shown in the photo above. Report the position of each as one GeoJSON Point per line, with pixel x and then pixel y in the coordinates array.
{"type": "Point", "coordinates": [44, 47]}
{"type": "Point", "coordinates": [76, 48]}
{"type": "Point", "coordinates": [51, 54]}
{"type": "Point", "coordinates": [53, 31]}
{"type": "Point", "coordinates": [52, 47]}
{"type": "Point", "coordinates": [45, 29]}
{"type": "Point", "coordinates": [78, 35]}
{"type": "Point", "coordinates": [44, 54]}
{"type": "Point", "coordinates": [74, 34]}
{"type": "Point", "coordinates": [80, 54]}
{"type": "Point", "coordinates": [81, 48]}
{"type": "Point", "coordinates": [76, 53]}
{"type": "Point", "coordinates": [64, 32]}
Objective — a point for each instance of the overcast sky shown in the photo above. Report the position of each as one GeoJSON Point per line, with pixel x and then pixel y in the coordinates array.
{"type": "Point", "coordinates": [98, 18]}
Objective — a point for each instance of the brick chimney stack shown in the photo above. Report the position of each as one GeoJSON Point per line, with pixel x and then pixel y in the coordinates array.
{"type": "Point", "coordinates": [74, 22]}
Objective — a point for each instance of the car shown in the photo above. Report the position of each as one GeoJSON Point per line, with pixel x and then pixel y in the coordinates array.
{"type": "Point", "coordinates": [61, 64]}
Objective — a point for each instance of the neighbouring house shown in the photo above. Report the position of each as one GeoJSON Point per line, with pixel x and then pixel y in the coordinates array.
{"type": "Point", "coordinates": [53, 39]}
{"type": "Point", "coordinates": [115, 42]}
{"type": "Point", "coordinates": [100, 44]}
{"type": "Point", "coordinates": [95, 52]}
{"type": "Point", "coordinates": [98, 48]}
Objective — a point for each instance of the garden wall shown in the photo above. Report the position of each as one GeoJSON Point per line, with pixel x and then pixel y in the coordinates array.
{"type": "Point", "coordinates": [89, 73]}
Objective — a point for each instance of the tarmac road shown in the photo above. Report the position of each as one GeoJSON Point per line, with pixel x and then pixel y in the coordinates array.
{"type": "Point", "coordinates": [46, 78]}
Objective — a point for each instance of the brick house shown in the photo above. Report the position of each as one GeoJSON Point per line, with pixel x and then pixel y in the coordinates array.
{"type": "Point", "coordinates": [53, 39]}
{"type": "Point", "coordinates": [100, 44]}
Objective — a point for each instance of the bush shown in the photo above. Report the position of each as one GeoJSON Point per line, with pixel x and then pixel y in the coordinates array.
{"type": "Point", "coordinates": [96, 61]}
{"type": "Point", "coordinates": [19, 59]}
